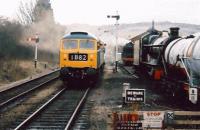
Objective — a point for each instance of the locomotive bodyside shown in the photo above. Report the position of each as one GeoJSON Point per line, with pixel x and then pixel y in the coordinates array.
{"type": "Point", "coordinates": [127, 54]}
{"type": "Point", "coordinates": [81, 56]}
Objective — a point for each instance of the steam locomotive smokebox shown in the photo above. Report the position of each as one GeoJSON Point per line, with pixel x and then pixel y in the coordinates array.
{"type": "Point", "coordinates": [174, 31]}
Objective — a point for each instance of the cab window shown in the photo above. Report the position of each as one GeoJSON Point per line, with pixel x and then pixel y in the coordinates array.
{"type": "Point", "coordinates": [87, 44]}
{"type": "Point", "coordinates": [70, 44]}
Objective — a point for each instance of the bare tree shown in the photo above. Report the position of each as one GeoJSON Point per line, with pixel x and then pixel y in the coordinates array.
{"type": "Point", "coordinates": [34, 11]}
{"type": "Point", "coordinates": [26, 12]}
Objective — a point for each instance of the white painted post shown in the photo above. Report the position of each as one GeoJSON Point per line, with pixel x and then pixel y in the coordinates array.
{"type": "Point", "coordinates": [36, 49]}
{"type": "Point", "coordinates": [125, 87]}
{"type": "Point", "coordinates": [36, 55]}
{"type": "Point", "coordinates": [117, 17]}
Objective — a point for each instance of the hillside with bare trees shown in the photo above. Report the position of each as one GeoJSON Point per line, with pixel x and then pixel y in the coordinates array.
{"type": "Point", "coordinates": [16, 53]}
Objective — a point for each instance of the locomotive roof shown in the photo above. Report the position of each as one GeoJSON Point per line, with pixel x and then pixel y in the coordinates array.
{"type": "Point", "coordinates": [129, 44]}
{"type": "Point", "coordinates": [79, 35]}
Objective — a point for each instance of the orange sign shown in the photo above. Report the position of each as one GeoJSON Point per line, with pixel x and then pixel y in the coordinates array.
{"type": "Point", "coordinates": [126, 121]}
{"type": "Point", "coordinates": [153, 113]}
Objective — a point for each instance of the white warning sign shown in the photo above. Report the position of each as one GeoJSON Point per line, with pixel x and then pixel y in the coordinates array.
{"type": "Point", "coordinates": [153, 119]}
{"type": "Point", "coordinates": [135, 96]}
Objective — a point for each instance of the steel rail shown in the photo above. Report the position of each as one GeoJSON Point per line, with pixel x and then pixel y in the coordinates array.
{"type": "Point", "coordinates": [25, 93]}
{"type": "Point", "coordinates": [133, 75]}
{"type": "Point", "coordinates": [10, 88]}
{"type": "Point", "coordinates": [38, 111]}
{"type": "Point", "coordinates": [69, 124]}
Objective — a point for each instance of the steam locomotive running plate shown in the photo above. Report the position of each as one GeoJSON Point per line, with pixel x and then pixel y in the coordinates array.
{"type": "Point", "coordinates": [78, 57]}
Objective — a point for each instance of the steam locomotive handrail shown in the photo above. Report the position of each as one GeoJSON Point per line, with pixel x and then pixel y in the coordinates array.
{"type": "Point", "coordinates": [189, 77]}
{"type": "Point", "coordinates": [153, 45]}
{"type": "Point", "coordinates": [190, 58]}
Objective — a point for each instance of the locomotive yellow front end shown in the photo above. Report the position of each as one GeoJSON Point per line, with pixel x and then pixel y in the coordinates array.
{"type": "Point", "coordinates": [79, 57]}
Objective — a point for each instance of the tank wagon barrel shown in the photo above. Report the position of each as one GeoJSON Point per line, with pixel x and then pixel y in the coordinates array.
{"type": "Point", "coordinates": [184, 53]}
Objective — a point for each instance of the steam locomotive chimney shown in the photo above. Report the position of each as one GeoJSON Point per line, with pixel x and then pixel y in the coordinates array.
{"type": "Point", "coordinates": [174, 32]}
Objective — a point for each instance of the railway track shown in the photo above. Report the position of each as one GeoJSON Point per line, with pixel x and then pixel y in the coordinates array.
{"type": "Point", "coordinates": [83, 120]}
{"type": "Point", "coordinates": [127, 70]}
{"type": "Point", "coordinates": [57, 113]}
{"type": "Point", "coordinates": [168, 100]}
{"type": "Point", "coordinates": [10, 95]}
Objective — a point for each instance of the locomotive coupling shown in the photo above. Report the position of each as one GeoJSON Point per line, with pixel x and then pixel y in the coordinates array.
{"type": "Point", "coordinates": [77, 73]}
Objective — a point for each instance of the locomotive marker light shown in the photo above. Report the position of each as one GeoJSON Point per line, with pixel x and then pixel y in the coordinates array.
{"type": "Point", "coordinates": [117, 17]}
{"type": "Point", "coordinates": [193, 95]}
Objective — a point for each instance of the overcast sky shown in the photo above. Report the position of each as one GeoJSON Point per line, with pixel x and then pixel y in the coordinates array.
{"type": "Point", "coordinates": [131, 11]}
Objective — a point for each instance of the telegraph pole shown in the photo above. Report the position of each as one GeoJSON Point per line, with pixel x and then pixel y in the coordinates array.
{"type": "Point", "coordinates": [117, 17]}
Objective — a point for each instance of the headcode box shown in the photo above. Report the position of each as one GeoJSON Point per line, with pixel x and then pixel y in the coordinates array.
{"type": "Point", "coordinates": [135, 96]}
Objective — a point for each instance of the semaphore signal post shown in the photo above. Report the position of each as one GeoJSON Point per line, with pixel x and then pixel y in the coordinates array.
{"type": "Point", "coordinates": [36, 41]}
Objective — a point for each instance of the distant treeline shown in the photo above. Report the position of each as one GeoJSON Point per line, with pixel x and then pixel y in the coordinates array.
{"type": "Point", "coordinates": [10, 47]}
{"type": "Point", "coordinates": [10, 35]}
